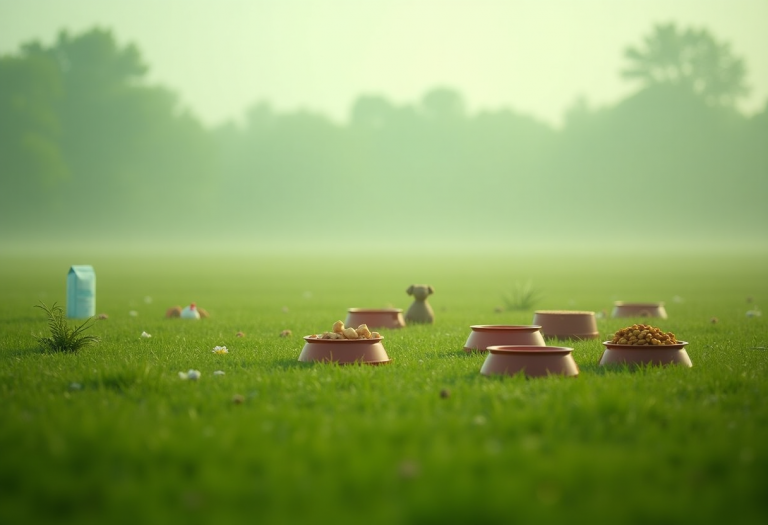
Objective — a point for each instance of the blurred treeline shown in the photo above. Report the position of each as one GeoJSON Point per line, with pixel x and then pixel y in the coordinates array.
{"type": "Point", "coordinates": [88, 148]}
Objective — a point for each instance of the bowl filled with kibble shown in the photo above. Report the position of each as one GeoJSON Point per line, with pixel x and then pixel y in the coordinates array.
{"type": "Point", "coordinates": [345, 345]}
{"type": "Point", "coordinates": [625, 309]}
{"type": "Point", "coordinates": [645, 344]}
{"type": "Point", "coordinates": [484, 335]}
{"type": "Point", "coordinates": [375, 317]}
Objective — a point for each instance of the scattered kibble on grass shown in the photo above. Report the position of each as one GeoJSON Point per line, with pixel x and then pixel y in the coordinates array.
{"type": "Point", "coordinates": [285, 333]}
{"type": "Point", "coordinates": [445, 393]}
{"type": "Point", "coordinates": [239, 334]}
{"type": "Point", "coordinates": [238, 399]}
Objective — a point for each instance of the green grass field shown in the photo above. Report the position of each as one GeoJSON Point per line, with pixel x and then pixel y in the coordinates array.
{"type": "Point", "coordinates": [113, 435]}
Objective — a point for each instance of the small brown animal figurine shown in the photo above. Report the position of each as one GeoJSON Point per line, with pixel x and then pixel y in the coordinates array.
{"type": "Point", "coordinates": [420, 311]}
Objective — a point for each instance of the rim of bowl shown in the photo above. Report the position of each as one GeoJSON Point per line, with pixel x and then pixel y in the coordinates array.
{"type": "Point", "coordinates": [528, 349]}
{"type": "Point", "coordinates": [678, 345]}
{"type": "Point", "coordinates": [564, 312]}
{"type": "Point", "coordinates": [639, 305]}
{"type": "Point", "coordinates": [374, 310]}
{"type": "Point", "coordinates": [310, 339]}
{"type": "Point", "coordinates": [502, 327]}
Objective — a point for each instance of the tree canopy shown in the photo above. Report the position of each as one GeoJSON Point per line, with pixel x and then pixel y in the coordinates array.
{"type": "Point", "coordinates": [691, 58]}
{"type": "Point", "coordinates": [83, 136]}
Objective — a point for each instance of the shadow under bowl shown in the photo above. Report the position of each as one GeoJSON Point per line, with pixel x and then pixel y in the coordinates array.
{"type": "Point", "coordinates": [485, 335]}
{"type": "Point", "coordinates": [622, 309]}
{"type": "Point", "coordinates": [566, 324]}
{"type": "Point", "coordinates": [616, 354]}
{"type": "Point", "coordinates": [375, 317]}
{"type": "Point", "coordinates": [344, 351]}
{"type": "Point", "coordinates": [533, 361]}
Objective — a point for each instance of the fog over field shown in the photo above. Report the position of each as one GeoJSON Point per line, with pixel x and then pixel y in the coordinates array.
{"type": "Point", "coordinates": [393, 124]}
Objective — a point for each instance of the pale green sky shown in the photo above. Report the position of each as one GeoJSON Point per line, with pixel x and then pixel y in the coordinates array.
{"type": "Point", "coordinates": [535, 56]}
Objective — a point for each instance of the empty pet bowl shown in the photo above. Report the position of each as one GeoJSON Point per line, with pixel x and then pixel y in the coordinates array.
{"type": "Point", "coordinates": [566, 324]}
{"type": "Point", "coordinates": [646, 354]}
{"type": "Point", "coordinates": [375, 317]}
{"type": "Point", "coordinates": [485, 335]}
{"type": "Point", "coordinates": [622, 309]}
{"type": "Point", "coordinates": [533, 361]}
{"type": "Point", "coordinates": [344, 351]}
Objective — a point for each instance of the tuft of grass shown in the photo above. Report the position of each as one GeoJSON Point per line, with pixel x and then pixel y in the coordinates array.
{"type": "Point", "coordinates": [523, 297]}
{"type": "Point", "coordinates": [64, 338]}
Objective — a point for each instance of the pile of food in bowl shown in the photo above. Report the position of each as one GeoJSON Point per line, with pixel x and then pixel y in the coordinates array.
{"type": "Point", "coordinates": [339, 331]}
{"type": "Point", "coordinates": [643, 334]}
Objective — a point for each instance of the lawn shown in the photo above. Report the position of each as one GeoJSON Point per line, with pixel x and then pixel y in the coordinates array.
{"type": "Point", "coordinates": [112, 434]}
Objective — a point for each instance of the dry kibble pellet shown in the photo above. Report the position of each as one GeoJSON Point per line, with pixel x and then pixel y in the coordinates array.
{"type": "Point", "coordinates": [363, 332]}
{"type": "Point", "coordinates": [350, 333]}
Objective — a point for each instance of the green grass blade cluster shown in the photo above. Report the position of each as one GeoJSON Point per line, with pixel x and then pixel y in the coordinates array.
{"type": "Point", "coordinates": [63, 337]}
{"type": "Point", "coordinates": [522, 298]}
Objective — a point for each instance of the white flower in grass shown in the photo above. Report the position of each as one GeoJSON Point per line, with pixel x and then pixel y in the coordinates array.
{"type": "Point", "coordinates": [220, 350]}
{"type": "Point", "coordinates": [192, 375]}
{"type": "Point", "coordinates": [145, 334]}
{"type": "Point", "coordinates": [218, 373]}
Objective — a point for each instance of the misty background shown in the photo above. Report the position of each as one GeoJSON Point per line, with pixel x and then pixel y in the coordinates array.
{"type": "Point", "coordinates": [92, 149]}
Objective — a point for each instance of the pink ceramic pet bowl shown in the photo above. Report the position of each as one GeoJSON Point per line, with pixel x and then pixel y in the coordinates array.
{"type": "Point", "coordinates": [622, 309]}
{"type": "Point", "coordinates": [375, 317]}
{"type": "Point", "coordinates": [675, 354]}
{"type": "Point", "coordinates": [344, 351]}
{"type": "Point", "coordinates": [485, 335]}
{"type": "Point", "coordinates": [533, 361]}
{"type": "Point", "coordinates": [566, 324]}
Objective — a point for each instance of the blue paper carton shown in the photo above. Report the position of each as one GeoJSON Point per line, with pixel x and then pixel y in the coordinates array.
{"type": "Point", "coordinates": [81, 292]}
